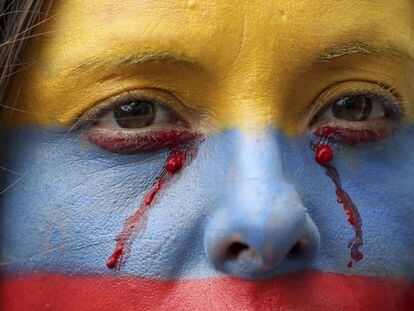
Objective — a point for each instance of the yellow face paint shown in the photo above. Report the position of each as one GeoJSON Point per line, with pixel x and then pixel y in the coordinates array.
{"type": "Point", "coordinates": [245, 64]}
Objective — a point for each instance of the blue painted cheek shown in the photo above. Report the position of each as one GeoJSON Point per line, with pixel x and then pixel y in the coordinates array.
{"type": "Point", "coordinates": [67, 200]}
{"type": "Point", "coordinates": [265, 193]}
{"type": "Point", "coordinates": [379, 177]}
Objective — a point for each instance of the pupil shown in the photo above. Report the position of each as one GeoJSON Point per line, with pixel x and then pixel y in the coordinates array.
{"type": "Point", "coordinates": [355, 108]}
{"type": "Point", "coordinates": [135, 114]}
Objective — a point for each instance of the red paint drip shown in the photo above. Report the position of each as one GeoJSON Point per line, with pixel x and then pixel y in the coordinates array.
{"type": "Point", "coordinates": [175, 162]}
{"type": "Point", "coordinates": [323, 155]}
{"type": "Point", "coordinates": [136, 223]}
{"type": "Point", "coordinates": [354, 218]}
{"type": "Point", "coordinates": [113, 260]}
{"type": "Point", "coordinates": [149, 198]}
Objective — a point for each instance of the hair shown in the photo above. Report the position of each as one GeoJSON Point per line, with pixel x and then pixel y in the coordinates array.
{"type": "Point", "coordinates": [18, 21]}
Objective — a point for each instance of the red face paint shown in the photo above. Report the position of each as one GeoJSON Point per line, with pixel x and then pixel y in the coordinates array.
{"type": "Point", "coordinates": [136, 223]}
{"type": "Point", "coordinates": [351, 211]}
{"type": "Point", "coordinates": [149, 198]}
{"type": "Point", "coordinates": [175, 162]}
{"type": "Point", "coordinates": [323, 155]}
{"type": "Point", "coordinates": [113, 260]}
{"type": "Point", "coordinates": [352, 136]}
{"type": "Point", "coordinates": [127, 142]}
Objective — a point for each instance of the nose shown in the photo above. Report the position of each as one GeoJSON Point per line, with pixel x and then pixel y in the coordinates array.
{"type": "Point", "coordinates": [260, 227]}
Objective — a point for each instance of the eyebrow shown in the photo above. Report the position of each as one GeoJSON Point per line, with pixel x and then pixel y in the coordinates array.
{"type": "Point", "coordinates": [365, 48]}
{"type": "Point", "coordinates": [101, 63]}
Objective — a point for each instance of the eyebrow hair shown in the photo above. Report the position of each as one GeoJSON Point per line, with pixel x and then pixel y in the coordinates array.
{"type": "Point", "coordinates": [102, 63]}
{"type": "Point", "coordinates": [365, 48]}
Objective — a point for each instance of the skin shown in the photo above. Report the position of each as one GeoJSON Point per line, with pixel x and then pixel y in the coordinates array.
{"type": "Point", "coordinates": [249, 76]}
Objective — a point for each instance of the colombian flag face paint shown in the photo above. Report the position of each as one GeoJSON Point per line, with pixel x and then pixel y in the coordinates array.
{"type": "Point", "coordinates": [212, 155]}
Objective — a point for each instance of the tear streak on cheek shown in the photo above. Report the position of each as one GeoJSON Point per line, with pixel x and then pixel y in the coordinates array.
{"type": "Point", "coordinates": [323, 156]}
{"type": "Point", "coordinates": [178, 158]}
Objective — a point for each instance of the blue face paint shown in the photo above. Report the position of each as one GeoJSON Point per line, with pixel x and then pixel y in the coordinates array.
{"type": "Point", "coordinates": [249, 205]}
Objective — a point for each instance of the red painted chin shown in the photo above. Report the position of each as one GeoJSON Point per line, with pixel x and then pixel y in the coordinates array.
{"type": "Point", "coordinates": [301, 291]}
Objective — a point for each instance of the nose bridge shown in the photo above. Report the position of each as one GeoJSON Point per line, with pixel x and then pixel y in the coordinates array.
{"type": "Point", "coordinates": [258, 156]}
{"type": "Point", "coordinates": [256, 182]}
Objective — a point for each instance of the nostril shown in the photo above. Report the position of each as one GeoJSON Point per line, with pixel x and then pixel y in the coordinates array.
{"type": "Point", "coordinates": [298, 249]}
{"type": "Point", "coordinates": [237, 249]}
{"type": "Point", "coordinates": [295, 251]}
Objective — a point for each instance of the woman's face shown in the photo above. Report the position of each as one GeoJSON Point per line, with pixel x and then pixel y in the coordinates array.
{"type": "Point", "coordinates": [163, 153]}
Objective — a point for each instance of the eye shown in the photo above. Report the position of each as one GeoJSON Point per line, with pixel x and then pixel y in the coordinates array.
{"type": "Point", "coordinates": [138, 122]}
{"type": "Point", "coordinates": [355, 108]}
{"type": "Point", "coordinates": [139, 114]}
{"type": "Point", "coordinates": [356, 115]}
{"type": "Point", "coordinates": [136, 114]}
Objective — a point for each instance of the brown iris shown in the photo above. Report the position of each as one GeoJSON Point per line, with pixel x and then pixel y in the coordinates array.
{"type": "Point", "coordinates": [353, 108]}
{"type": "Point", "coordinates": [135, 114]}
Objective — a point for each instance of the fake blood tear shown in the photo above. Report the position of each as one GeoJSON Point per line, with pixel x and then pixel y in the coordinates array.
{"type": "Point", "coordinates": [136, 223]}
{"type": "Point", "coordinates": [351, 210]}
{"type": "Point", "coordinates": [323, 155]}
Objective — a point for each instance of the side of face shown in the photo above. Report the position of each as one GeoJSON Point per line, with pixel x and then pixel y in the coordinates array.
{"type": "Point", "coordinates": [165, 151]}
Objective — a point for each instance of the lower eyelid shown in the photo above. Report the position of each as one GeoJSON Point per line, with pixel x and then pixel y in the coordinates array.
{"type": "Point", "coordinates": [132, 142]}
{"type": "Point", "coordinates": [359, 132]}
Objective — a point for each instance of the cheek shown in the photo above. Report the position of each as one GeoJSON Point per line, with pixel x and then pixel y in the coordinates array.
{"type": "Point", "coordinates": [70, 201]}
{"type": "Point", "coordinates": [378, 178]}
{"type": "Point", "coordinates": [76, 201]}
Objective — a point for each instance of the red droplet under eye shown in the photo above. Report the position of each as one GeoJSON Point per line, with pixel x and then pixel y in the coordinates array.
{"type": "Point", "coordinates": [175, 161]}
{"type": "Point", "coordinates": [323, 154]}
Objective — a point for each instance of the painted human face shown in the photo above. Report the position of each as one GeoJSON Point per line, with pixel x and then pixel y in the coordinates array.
{"type": "Point", "coordinates": [212, 155]}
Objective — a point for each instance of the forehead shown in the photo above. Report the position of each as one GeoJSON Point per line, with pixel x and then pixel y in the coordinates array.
{"type": "Point", "coordinates": [192, 21]}
{"type": "Point", "coordinates": [221, 33]}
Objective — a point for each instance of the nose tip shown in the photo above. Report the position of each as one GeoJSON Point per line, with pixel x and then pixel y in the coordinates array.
{"type": "Point", "coordinates": [254, 251]}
